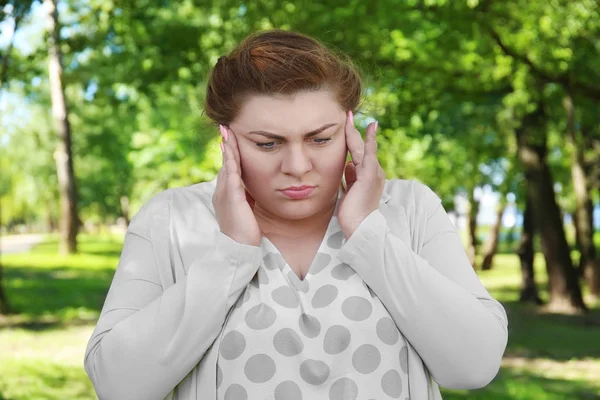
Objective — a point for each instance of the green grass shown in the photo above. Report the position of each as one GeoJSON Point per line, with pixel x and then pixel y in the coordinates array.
{"type": "Point", "coordinates": [549, 356]}
{"type": "Point", "coordinates": [45, 287]}
{"type": "Point", "coordinates": [58, 299]}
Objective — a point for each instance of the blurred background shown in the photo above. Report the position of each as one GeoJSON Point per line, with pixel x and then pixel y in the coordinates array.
{"type": "Point", "coordinates": [492, 104]}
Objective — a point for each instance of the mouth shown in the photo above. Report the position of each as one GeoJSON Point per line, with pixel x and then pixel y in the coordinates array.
{"type": "Point", "coordinates": [298, 188]}
{"type": "Point", "coordinates": [299, 192]}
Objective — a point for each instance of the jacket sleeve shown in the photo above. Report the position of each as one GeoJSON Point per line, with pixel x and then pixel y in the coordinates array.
{"type": "Point", "coordinates": [435, 297]}
{"type": "Point", "coordinates": [148, 338]}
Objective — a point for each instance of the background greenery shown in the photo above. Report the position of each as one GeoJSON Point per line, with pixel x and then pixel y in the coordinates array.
{"type": "Point", "coordinates": [453, 85]}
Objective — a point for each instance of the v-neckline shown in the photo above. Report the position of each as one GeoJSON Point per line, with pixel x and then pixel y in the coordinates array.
{"type": "Point", "coordinates": [287, 271]}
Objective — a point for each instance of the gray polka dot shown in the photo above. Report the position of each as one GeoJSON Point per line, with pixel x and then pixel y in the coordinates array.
{"type": "Point", "coordinates": [387, 331]}
{"type": "Point", "coordinates": [335, 240]}
{"type": "Point", "coordinates": [274, 261]}
{"type": "Point", "coordinates": [285, 297]}
{"type": "Point", "coordinates": [287, 342]}
{"type": "Point", "coordinates": [366, 359]}
{"type": "Point", "coordinates": [342, 272]}
{"type": "Point", "coordinates": [314, 372]}
{"type": "Point", "coordinates": [263, 277]}
{"type": "Point", "coordinates": [337, 338]}
{"type": "Point", "coordinates": [404, 359]}
{"type": "Point", "coordinates": [319, 263]}
{"type": "Point", "coordinates": [236, 392]}
{"type": "Point", "coordinates": [288, 390]}
{"type": "Point", "coordinates": [297, 283]}
{"type": "Point", "coordinates": [309, 325]}
{"type": "Point", "coordinates": [260, 278]}
{"type": "Point", "coordinates": [232, 346]}
{"type": "Point", "coordinates": [391, 383]}
{"type": "Point", "coordinates": [324, 296]}
{"type": "Point", "coordinates": [260, 317]}
{"type": "Point", "coordinates": [259, 368]}
{"type": "Point", "coordinates": [356, 308]}
{"type": "Point", "coordinates": [219, 376]}
{"type": "Point", "coordinates": [343, 389]}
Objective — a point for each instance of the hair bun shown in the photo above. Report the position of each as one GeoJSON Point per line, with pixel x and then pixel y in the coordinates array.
{"type": "Point", "coordinates": [278, 62]}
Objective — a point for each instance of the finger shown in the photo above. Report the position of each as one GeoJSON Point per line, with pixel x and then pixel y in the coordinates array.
{"type": "Point", "coordinates": [232, 140]}
{"type": "Point", "coordinates": [221, 172]}
{"type": "Point", "coordinates": [371, 143]}
{"type": "Point", "coordinates": [232, 143]}
{"type": "Point", "coordinates": [230, 164]}
{"type": "Point", "coordinates": [354, 141]}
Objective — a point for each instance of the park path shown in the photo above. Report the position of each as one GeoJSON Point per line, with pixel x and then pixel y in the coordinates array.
{"type": "Point", "coordinates": [13, 244]}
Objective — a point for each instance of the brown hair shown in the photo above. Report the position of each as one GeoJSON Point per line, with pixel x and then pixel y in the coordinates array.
{"type": "Point", "coordinates": [278, 62]}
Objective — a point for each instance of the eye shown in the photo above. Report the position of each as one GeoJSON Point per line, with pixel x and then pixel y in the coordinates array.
{"type": "Point", "coordinates": [265, 145]}
{"type": "Point", "coordinates": [323, 141]}
{"type": "Point", "coordinates": [270, 145]}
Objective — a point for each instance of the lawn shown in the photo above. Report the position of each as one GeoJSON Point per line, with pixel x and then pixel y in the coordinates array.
{"type": "Point", "coordinates": [58, 299]}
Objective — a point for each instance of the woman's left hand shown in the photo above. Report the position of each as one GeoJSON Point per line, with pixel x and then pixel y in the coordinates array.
{"type": "Point", "coordinates": [365, 179]}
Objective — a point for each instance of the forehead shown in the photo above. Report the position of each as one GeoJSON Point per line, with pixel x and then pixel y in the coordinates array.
{"type": "Point", "coordinates": [299, 112]}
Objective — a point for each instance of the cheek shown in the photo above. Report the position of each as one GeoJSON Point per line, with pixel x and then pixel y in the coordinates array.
{"type": "Point", "coordinates": [248, 156]}
{"type": "Point", "coordinates": [338, 155]}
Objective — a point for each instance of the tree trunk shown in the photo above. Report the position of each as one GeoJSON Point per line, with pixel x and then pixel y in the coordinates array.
{"type": "Point", "coordinates": [491, 244]}
{"type": "Point", "coordinates": [4, 305]}
{"type": "Point", "coordinates": [63, 156]}
{"type": "Point", "coordinates": [472, 227]}
{"type": "Point", "coordinates": [563, 286]}
{"type": "Point", "coordinates": [589, 265]}
{"type": "Point", "coordinates": [125, 209]}
{"type": "Point", "coordinates": [529, 292]}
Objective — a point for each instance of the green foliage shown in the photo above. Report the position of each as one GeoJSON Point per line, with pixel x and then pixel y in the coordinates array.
{"type": "Point", "coordinates": [448, 82]}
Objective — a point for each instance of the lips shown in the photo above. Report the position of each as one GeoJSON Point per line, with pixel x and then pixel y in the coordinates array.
{"type": "Point", "coordinates": [296, 194]}
{"type": "Point", "coordinates": [298, 188]}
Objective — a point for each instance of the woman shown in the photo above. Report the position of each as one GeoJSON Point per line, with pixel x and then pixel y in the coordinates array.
{"type": "Point", "coordinates": [245, 288]}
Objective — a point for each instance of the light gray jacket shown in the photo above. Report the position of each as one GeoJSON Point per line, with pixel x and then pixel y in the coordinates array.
{"type": "Point", "coordinates": [178, 277]}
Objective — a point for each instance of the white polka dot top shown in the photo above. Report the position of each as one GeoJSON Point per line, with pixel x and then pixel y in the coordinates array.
{"type": "Point", "coordinates": [325, 337]}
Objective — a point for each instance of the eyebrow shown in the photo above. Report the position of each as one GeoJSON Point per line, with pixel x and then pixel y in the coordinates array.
{"type": "Point", "coordinates": [306, 135]}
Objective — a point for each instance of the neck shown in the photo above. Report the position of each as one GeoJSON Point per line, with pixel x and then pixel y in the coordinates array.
{"type": "Point", "coordinates": [272, 226]}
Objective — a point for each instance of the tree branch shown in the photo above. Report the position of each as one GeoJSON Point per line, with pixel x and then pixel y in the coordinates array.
{"type": "Point", "coordinates": [563, 79]}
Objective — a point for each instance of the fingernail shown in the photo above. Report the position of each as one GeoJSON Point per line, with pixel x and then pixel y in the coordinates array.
{"type": "Point", "coordinates": [223, 132]}
{"type": "Point", "coordinates": [376, 125]}
{"type": "Point", "coordinates": [351, 115]}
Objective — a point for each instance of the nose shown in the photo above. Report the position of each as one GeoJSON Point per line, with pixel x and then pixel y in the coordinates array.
{"type": "Point", "coordinates": [296, 161]}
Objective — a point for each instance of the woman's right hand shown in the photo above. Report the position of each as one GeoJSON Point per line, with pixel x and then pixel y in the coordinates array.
{"type": "Point", "coordinates": [233, 204]}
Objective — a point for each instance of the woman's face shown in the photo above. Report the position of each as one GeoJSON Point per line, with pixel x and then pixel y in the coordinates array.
{"type": "Point", "coordinates": [270, 164]}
